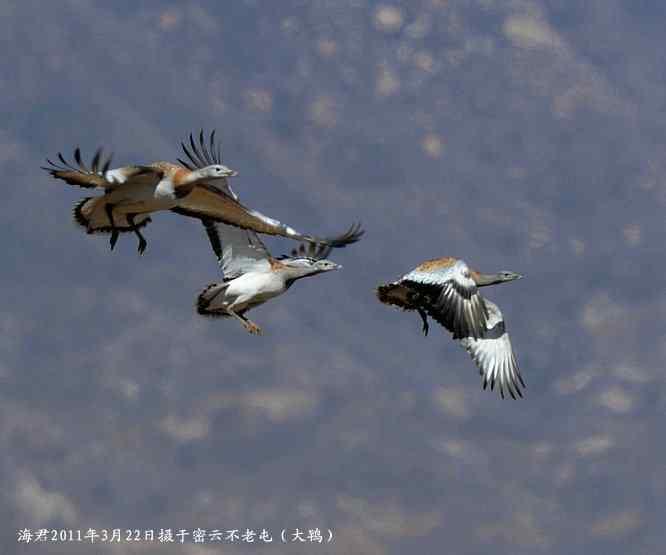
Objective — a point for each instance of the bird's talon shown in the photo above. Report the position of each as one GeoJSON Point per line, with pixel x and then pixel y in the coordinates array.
{"type": "Point", "coordinates": [253, 329]}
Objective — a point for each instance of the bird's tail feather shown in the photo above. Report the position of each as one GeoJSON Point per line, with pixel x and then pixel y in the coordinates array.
{"type": "Point", "coordinates": [90, 213]}
{"type": "Point", "coordinates": [206, 298]}
{"type": "Point", "coordinates": [396, 294]}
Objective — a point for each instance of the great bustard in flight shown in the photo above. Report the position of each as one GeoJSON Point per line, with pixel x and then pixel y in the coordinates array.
{"type": "Point", "coordinates": [197, 188]}
{"type": "Point", "coordinates": [446, 289]}
{"type": "Point", "coordinates": [252, 275]}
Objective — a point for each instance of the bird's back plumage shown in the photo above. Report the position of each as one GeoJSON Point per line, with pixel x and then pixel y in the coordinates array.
{"type": "Point", "coordinates": [452, 294]}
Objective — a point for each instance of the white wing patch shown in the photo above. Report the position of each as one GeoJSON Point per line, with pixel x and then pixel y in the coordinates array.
{"type": "Point", "coordinates": [165, 189]}
{"type": "Point", "coordinates": [242, 251]}
{"type": "Point", "coordinates": [116, 176]}
{"type": "Point", "coordinates": [289, 231]}
{"type": "Point", "coordinates": [494, 356]}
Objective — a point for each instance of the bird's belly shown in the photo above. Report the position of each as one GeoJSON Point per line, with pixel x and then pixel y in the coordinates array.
{"type": "Point", "coordinates": [255, 287]}
{"type": "Point", "coordinates": [136, 199]}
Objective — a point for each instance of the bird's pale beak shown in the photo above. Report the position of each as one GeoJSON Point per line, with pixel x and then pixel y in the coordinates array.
{"type": "Point", "coordinates": [232, 173]}
{"type": "Point", "coordinates": [333, 266]}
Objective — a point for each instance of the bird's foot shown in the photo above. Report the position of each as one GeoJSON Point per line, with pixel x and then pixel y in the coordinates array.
{"type": "Point", "coordinates": [142, 246]}
{"type": "Point", "coordinates": [142, 241]}
{"type": "Point", "coordinates": [252, 328]}
{"type": "Point", "coordinates": [114, 239]}
{"type": "Point", "coordinates": [424, 318]}
{"type": "Point", "coordinates": [108, 208]}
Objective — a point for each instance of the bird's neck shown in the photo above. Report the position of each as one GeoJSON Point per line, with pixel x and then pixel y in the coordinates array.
{"type": "Point", "coordinates": [190, 178]}
{"type": "Point", "coordinates": [292, 274]}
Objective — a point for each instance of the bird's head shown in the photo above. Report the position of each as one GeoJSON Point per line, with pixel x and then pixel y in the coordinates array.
{"type": "Point", "coordinates": [216, 171]}
{"type": "Point", "coordinates": [303, 266]}
{"type": "Point", "coordinates": [325, 265]}
{"type": "Point", "coordinates": [509, 276]}
{"type": "Point", "coordinates": [482, 279]}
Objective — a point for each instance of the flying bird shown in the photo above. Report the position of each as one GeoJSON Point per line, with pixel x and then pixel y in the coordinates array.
{"type": "Point", "coordinates": [446, 289]}
{"type": "Point", "coordinates": [252, 275]}
{"type": "Point", "coordinates": [198, 188]}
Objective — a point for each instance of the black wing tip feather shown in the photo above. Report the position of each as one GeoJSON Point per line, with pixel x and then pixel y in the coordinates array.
{"type": "Point", "coordinates": [65, 165]}
{"type": "Point", "coordinates": [77, 158]}
{"type": "Point", "coordinates": [318, 248]}
{"type": "Point", "coordinates": [349, 237]}
{"type": "Point", "coordinates": [520, 378]}
{"type": "Point", "coordinates": [201, 155]}
{"type": "Point", "coordinates": [513, 387]}
{"type": "Point", "coordinates": [352, 235]}
{"type": "Point", "coordinates": [183, 162]}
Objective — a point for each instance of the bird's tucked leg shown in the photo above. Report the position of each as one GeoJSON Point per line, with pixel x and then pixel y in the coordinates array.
{"type": "Point", "coordinates": [424, 317]}
{"type": "Point", "coordinates": [108, 208]}
{"type": "Point", "coordinates": [250, 326]}
{"type": "Point", "coordinates": [142, 240]}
